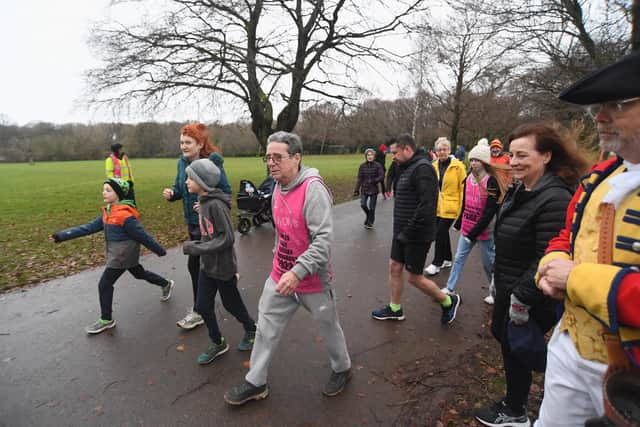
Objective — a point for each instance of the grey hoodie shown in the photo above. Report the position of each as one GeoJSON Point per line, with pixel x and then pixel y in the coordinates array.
{"type": "Point", "coordinates": [318, 217]}
{"type": "Point", "coordinates": [217, 256]}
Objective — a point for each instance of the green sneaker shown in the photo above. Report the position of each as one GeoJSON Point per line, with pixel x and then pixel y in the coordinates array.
{"type": "Point", "coordinates": [166, 291]}
{"type": "Point", "coordinates": [247, 341]}
{"type": "Point", "coordinates": [101, 325]}
{"type": "Point", "coordinates": [214, 350]}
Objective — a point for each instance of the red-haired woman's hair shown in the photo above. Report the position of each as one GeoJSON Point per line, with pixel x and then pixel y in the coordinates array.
{"type": "Point", "coordinates": [200, 133]}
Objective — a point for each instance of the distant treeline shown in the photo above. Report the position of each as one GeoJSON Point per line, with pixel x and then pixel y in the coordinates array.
{"type": "Point", "coordinates": [324, 128]}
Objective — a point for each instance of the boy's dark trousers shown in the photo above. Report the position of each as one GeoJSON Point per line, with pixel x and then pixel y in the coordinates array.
{"type": "Point", "coordinates": [109, 277]}
{"type": "Point", "coordinates": [231, 300]}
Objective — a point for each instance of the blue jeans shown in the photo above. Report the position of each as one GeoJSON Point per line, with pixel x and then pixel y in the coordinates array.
{"type": "Point", "coordinates": [487, 251]}
{"type": "Point", "coordinates": [369, 210]}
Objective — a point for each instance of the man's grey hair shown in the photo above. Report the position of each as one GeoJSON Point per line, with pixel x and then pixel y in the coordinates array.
{"type": "Point", "coordinates": [291, 139]}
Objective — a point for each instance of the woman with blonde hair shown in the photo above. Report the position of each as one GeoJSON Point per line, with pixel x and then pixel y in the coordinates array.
{"type": "Point", "coordinates": [451, 174]}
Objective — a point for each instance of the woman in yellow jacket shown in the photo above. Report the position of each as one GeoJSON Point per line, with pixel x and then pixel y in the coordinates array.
{"type": "Point", "coordinates": [451, 174]}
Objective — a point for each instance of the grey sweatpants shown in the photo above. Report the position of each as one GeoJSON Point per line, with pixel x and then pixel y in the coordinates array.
{"type": "Point", "coordinates": [275, 311]}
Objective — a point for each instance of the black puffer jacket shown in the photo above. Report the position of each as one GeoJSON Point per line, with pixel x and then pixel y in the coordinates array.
{"type": "Point", "coordinates": [416, 198]}
{"type": "Point", "coordinates": [526, 222]}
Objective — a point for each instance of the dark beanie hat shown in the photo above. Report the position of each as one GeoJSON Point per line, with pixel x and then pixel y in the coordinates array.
{"type": "Point", "coordinates": [205, 173]}
{"type": "Point", "coordinates": [115, 147]}
{"type": "Point", "coordinates": [120, 186]}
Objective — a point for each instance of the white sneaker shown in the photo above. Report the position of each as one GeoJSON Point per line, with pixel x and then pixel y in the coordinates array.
{"type": "Point", "coordinates": [190, 321]}
{"type": "Point", "coordinates": [432, 270]}
{"type": "Point", "coordinates": [446, 290]}
{"type": "Point", "coordinates": [446, 264]}
{"type": "Point", "coordinates": [489, 300]}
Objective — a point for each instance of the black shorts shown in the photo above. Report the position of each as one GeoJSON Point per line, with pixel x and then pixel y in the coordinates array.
{"type": "Point", "coordinates": [413, 254]}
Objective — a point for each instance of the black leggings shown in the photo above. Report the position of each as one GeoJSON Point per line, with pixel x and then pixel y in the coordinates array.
{"type": "Point", "coordinates": [109, 277]}
{"type": "Point", "coordinates": [443, 242]}
{"type": "Point", "coordinates": [368, 205]}
{"type": "Point", "coordinates": [193, 263]}
{"type": "Point", "coordinates": [231, 300]}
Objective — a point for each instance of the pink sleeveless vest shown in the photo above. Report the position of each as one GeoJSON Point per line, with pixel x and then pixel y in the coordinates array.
{"type": "Point", "coordinates": [475, 200]}
{"type": "Point", "coordinates": [293, 235]}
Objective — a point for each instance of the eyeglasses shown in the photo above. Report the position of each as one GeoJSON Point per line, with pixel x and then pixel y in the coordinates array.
{"type": "Point", "coordinates": [612, 106]}
{"type": "Point", "coordinates": [275, 157]}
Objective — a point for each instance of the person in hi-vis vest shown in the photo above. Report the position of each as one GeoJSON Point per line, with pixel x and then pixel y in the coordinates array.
{"type": "Point", "coordinates": [117, 166]}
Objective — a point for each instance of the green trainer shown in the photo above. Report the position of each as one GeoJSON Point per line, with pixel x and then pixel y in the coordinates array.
{"type": "Point", "coordinates": [247, 341]}
{"type": "Point", "coordinates": [214, 350]}
{"type": "Point", "coordinates": [101, 325]}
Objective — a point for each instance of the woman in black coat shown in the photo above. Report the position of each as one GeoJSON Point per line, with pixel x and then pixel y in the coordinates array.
{"type": "Point", "coordinates": [547, 169]}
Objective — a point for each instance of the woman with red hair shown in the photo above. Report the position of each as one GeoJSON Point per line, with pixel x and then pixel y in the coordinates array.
{"type": "Point", "coordinates": [194, 144]}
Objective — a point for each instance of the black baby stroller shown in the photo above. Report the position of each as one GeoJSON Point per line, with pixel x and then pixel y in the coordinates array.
{"type": "Point", "coordinates": [254, 204]}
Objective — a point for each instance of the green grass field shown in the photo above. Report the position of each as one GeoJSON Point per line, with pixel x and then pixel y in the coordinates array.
{"type": "Point", "coordinates": [45, 197]}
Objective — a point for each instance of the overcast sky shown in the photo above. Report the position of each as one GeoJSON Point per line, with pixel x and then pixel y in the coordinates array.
{"type": "Point", "coordinates": [44, 55]}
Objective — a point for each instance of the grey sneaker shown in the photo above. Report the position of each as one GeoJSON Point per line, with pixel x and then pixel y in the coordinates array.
{"type": "Point", "coordinates": [247, 341]}
{"type": "Point", "coordinates": [499, 414]}
{"type": "Point", "coordinates": [246, 392]}
{"type": "Point", "coordinates": [100, 326]}
{"type": "Point", "coordinates": [190, 321]}
{"type": "Point", "coordinates": [336, 383]}
{"type": "Point", "coordinates": [214, 350]}
{"type": "Point", "coordinates": [166, 291]}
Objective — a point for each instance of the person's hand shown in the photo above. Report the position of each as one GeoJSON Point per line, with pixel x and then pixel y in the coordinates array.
{"type": "Point", "coordinates": [196, 207]}
{"type": "Point", "coordinates": [356, 193]}
{"type": "Point", "coordinates": [167, 193]}
{"type": "Point", "coordinates": [287, 284]}
{"type": "Point", "coordinates": [466, 239]}
{"type": "Point", "coordinates": [54, 239]}
{"type": "Point", "coordinates": [553, 276]}
{"type": "Point", "coordinates": [518, 311]}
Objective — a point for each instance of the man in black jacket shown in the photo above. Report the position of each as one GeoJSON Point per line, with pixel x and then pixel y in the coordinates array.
{"type": "Point", "coordinates": [414, 213]}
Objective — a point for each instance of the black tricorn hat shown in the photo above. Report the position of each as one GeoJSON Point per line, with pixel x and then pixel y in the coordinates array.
{"type": "Point", "coordinates": [618, 81]}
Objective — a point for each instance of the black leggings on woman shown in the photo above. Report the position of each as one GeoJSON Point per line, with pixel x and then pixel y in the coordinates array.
{"type": "Point", "coordinates": [109, 277]}
{"type": "Point", "coordinates": [193, 263]}
{"type": "Point", "coordinates": [443, 241]}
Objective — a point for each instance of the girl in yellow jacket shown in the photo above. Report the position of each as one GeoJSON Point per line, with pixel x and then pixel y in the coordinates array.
{"type": "Point", "coordinates": [451, 174]}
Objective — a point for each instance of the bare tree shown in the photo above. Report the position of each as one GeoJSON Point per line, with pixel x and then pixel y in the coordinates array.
{"type": "Point", "coordinates": [463, 55]}
{"type": "Point", "coordinates": [261, 53]}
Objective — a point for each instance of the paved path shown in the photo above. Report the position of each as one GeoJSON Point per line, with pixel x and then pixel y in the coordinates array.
{"type": "Point", "coordinates": [53, 374]}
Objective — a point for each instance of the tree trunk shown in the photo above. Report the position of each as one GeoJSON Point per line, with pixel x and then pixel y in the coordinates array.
{"type": "Point", "coordinates": [635, 25]}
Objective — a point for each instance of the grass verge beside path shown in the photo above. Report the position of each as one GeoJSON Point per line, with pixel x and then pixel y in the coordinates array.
{"type": "Point", "coordinates": [46, 197]}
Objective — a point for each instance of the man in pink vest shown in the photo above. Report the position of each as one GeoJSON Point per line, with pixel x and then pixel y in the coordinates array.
{"type": "Point", "coordinates": [117, 166]}
{"type": "Point", "coordinates": [301, 272]}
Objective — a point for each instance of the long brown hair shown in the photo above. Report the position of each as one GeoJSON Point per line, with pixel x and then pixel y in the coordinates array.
{"type": "Point", "coordinates": [567, 162]}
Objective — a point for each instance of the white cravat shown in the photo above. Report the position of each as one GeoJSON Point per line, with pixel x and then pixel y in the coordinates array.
{"type": "Point", "coordinates": [623, 184]}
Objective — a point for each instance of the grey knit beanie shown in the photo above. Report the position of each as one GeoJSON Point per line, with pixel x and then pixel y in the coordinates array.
{"type": "Point", "coordinates": [205, 173]}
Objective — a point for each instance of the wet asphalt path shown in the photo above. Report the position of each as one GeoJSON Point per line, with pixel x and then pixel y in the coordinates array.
{"type": "Point", "coordinates": [144, 371]}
